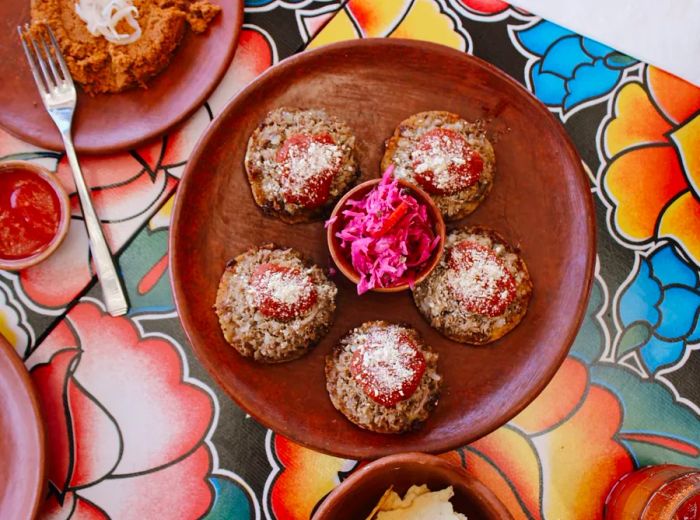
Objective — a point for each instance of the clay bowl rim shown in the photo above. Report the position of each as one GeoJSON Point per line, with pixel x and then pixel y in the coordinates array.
{"type": "Point", "coordinates": [23, 374]}
{"type": "Point", "coordinates": [344, 265]}
{"type": "Point", "coordinates": [349, 485]}
{"type": "Point", "coordinates": [63, 224]}
{"type": "Point", "coordinates": [179, 290]}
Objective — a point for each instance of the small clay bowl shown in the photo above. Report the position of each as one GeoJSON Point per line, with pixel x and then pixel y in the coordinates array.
{"type": "Point", "coordinates": [16, 264]}
{"type": "Point", "coordinates": [355, 498]}
{"type": "Point", "coordinates": [358, 192]}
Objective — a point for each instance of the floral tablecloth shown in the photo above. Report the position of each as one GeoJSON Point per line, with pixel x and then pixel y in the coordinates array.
{"type": "Point", "coordinates": [137, 429]}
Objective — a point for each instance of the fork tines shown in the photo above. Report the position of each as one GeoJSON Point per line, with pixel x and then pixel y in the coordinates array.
{"type": "Point", "coordinates": [45, 58]}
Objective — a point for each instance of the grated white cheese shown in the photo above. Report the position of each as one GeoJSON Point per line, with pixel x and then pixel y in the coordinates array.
{"type": "Point", "coordinates": [103, 16]}
{"type": "Point", "coordinates": [386, 357]}
{"type": "Point", "coordinates": [479, 280]}
{"type": "Point", "coordinates": [442, 152]}
{"type": "Point", "coordinates": [285, 287]}
{"type": "Point", "coordinates": [304, 165]}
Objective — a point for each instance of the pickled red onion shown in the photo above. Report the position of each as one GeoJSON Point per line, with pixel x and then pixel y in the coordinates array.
{"type": "Point", "coordinates": [387, 234]}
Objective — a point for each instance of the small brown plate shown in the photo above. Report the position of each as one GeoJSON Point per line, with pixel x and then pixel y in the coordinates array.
{"type": "Point", "coordinates": [356, 497]}
{"type": "Point", "coordinates": [540, 201]}
{"type": "Point", "coordinates": [111, 122]}
{"type": "Point", "coordinates": [22, 452]}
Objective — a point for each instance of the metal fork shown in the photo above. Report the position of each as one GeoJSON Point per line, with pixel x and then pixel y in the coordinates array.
{"type": "Point", "coordinates": [57, 91]}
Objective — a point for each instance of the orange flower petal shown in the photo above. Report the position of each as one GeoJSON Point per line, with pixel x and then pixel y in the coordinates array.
{"type": "Point", "coordinates": [452, 457]}
{"type": "Point", "coordinates": [640, 183]}
{"type": "Point", "coordinates": [582, 459]}
{"type": "Point", "coordinates": [516, 460]}
{"type": "Point", "coordinates": [492, 478]}
{"type": "Point", "coordinates": [306, 477]}
{"type": "Point", "coordinates": [378, 18]}
{"type": "Point", "coordinates": [681, 222]}
{"type": "Point", "coordinates": [677, 98]}
{"type": "Point", "coordinates": [557, 400]}
{"type": "Point", "coordinates": [687, 141]}
{"type": "Point", "coordinates": [637, 121]}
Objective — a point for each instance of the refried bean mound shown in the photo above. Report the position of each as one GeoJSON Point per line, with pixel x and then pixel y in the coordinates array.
{"type": "Point", "coordinates": [103, 67]}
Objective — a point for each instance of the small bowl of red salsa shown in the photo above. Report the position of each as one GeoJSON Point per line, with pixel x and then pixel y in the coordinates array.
{"type": "Point", "coordinates": [34, 214]}
{"type": "Point", "coordinates": [385, 235]}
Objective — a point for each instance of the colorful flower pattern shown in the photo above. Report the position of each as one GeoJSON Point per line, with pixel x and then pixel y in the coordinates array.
{"type": "Point", "coordinates": [650, 162]}
{"type": "Point", "coordinates": [429, 20]}
{"type": "Point", "coordinates": [126, 421]}
{"type": "Point", "coordinates": [154, 443]}
{"type": "Point", "coordinates": [566, 71]}
{"type": "Point", "coordinates": [659, 310]}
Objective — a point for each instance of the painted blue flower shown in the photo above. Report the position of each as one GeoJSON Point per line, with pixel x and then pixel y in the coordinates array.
{"type": "Point", "coordinates": [660, 309]}
{"type": "Point", "coordinates": [569, 69]}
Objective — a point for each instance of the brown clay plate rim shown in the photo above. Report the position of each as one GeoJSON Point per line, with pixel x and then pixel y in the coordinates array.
{"type": "Point", "coordinates": [31, 477]}
{"type": "Point", "coordinates": [430, 462]}
{"type": "Point", "coordinates": [497, 419]}
{"type": "Point", "coordinates": [52, 140]}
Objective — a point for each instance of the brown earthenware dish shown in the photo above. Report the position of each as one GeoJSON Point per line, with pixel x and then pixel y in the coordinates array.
{"type": "Point", "coordinates": [541, 203]}
{"type": "Point", "coordinates": [340, 258]}
{"type": "Point", "coordinates": [356, 496]}
{"type": "Point", "coordinates": [111, 122]}
{"type": "Point", "coordinates": [22, 449]}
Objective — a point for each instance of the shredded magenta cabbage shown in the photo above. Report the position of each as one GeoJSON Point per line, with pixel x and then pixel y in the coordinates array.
{"type": "Point", "coordinates": [387, 251]}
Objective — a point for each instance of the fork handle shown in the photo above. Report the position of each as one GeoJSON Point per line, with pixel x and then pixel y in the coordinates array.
{"type": "Point", "coordinates": [112, 289]}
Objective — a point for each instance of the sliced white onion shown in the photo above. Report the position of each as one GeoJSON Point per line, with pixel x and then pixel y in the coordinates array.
{"type": "Point", "coordinates": [103, 16]}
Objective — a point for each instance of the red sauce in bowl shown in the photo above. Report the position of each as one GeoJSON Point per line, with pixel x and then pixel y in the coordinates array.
{"type": "Point", "coordinates": [30, 213]}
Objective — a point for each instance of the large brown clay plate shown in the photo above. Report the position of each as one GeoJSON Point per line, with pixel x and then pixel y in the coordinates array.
{"type": "Point", "coordinates": [540, 201]}
{"type": "Point", "coordinates": [21, 439]}
{"type": "Point", "coordinates": [112, 122]}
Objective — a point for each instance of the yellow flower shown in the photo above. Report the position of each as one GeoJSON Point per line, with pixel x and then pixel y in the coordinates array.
{"type": "Point", "coordinates": [652, 148]}
{"type": "Point", "coordinates": [414, 19]}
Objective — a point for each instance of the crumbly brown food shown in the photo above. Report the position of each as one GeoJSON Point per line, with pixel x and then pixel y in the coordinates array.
{"type": "Point", "coordinates": [265, 172]}
{"type": "Point", "coordinates": [261, 337]}
{"type": "Point", "coordinates": [436, 301]}
{"type": "Point", "coordinates": [103, 67]}
{"type": "Point", "coordinates": [348, 396]}
{"type": "Point", "coordinates": [402, 145]}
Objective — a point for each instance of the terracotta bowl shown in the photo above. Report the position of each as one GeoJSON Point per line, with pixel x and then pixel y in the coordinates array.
{"type": "Point", "coordinates": [64, 222]}
{"type": "Point", "coordinates": [355, 498]}
{"type": "Point", "coordinates": [341, 259]}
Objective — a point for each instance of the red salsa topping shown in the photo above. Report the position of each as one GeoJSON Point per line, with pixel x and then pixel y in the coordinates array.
{"type": "Point", "coordinates": [388, 366]}
{"type": "Point", "coordinates": [30, 214]}
{"type": "Point", "coordinates": [309, 165]}
{"type": "Point", "coordinates": [689, 510]}
{"type": "Point", "coordinates": [445, 163]}
{"type": "Point", "coordinates": [480, 280]}
{"type": "Point", "coordinates": [282, 293]}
